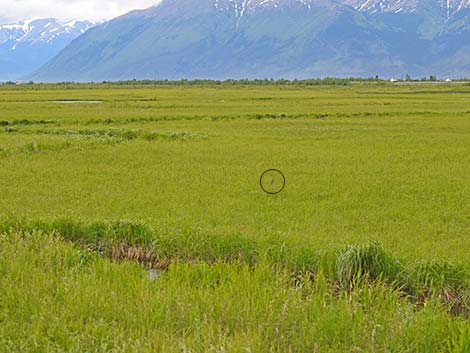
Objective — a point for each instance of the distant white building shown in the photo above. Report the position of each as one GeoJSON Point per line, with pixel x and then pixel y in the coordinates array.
{"type": "Point", "coordinates": [448, 80]}
{"type": "Point", "coordinates": [393, 80]}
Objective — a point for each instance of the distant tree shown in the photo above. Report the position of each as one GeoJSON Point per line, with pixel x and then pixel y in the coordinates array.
{"type": "Point", "coordinates": [432, 78]}
{"type": "Point", "coordinates": [408, 77]}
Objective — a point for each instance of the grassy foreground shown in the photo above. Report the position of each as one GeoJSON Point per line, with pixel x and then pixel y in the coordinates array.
{"type": "Point", "coordinates": [57, 298]}
{"type": "Point", "coordinates": [365, 251]}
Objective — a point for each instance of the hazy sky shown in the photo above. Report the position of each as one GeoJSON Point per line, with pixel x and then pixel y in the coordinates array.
{"type": "Point", "coordinates": [15, 10]}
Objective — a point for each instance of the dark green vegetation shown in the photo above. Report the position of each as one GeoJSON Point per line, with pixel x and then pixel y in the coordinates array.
{"type": "Point", "coordinates": [279, 39]}
{"type": "Point", "coordinates": [365, 250]}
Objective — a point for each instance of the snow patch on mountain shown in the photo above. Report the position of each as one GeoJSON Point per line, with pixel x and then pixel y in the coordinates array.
{"type": "Point", "coordinates": [34, 31]}
{"type": "Point", "coordinates": [240, 7]}
{"type": "Point", "coordinates": [447, 8]}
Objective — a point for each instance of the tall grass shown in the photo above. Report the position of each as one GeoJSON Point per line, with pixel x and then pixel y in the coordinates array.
{"type": "Point", "coordinates": [58, 298]}
{"type": "Point", "coordinates": [355, 265]}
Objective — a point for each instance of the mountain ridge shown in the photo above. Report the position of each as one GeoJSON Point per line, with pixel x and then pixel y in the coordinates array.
{"type": "Point", "coordinates": [26, 45]}
{"type": "Point", "coordinates": [219, 39]}
{"type": "Point", "coordinates": [444, 8]}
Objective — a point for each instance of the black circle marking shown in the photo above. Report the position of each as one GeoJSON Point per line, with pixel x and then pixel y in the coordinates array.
{"type": "Point", "coordinates": [272, 181]}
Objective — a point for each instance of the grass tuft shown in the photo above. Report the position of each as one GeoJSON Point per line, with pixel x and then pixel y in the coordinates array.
{"type": "Point", "coordinates": [368, 261]}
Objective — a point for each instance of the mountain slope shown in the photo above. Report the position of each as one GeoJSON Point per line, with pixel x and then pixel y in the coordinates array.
{"type": "Point", "coordinates": [26, 46]}
{"type": "Point", "coordinates": [268, 38]}
{"type": "Point", "coordinates": [439, 8]}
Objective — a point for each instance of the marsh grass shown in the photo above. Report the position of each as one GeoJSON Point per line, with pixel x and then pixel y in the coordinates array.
{"type": "Point", "coordinates": [56, 297]}
{"type": "Point", "coordinates": [345, 269]}
{"type": "Point", "coordinates": [37, 147]}
{"type": "Point", "coordinates": [460, 341]}
{"type": "Point", "coordinates": [26, 122]}
{"type": "Point", "coordinates": [368, 261]}
{"type": "Point", "coordinates": [113, 133]}
{"type": "Point", "coordinates": [365, 251]}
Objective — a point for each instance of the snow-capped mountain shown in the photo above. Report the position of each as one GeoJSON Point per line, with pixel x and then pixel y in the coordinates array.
{"type": "Point", "coordinates": [272, 38]}
{"type": "Point", "coordinates": [27, 45]}
{"type": "Point", "coordinates": [41, 31]}
{"type": "Point", "coordinates": [444, 8]}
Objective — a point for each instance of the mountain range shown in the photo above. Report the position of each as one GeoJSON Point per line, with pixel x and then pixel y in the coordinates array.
{"type": "Point", "coordinates": [27, 45]}
{"type": "Point", "coordinates": [219, 39]}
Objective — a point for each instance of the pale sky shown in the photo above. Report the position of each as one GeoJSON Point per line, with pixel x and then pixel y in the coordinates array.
{"type": "Point", "coordinates": [95, 10]}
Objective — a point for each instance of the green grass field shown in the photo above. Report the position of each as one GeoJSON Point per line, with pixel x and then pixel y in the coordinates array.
{"type": "Point", "coordinates": [366, 249]}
